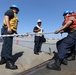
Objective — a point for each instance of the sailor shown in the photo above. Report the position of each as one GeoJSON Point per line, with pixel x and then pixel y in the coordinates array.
{"type": "Point", "coordinates": [67, 42]}
{"type": "Point", "coordinates": [9, 27]}
{"type": "Point", "coordinates": [38, 37]}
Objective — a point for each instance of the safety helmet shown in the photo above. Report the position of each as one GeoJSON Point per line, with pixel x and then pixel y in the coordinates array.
{"type": "Point", "coordinates": [71, 12]}
{"type": "Point", "coordinates": [14, 6]}
{"type": "Point", "coordinates": [39, 20]}
{"type": "Point", "coordinates": [66, 12]}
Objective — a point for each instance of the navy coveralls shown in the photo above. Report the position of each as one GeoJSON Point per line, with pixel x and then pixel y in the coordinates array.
{"type": "Point", "coordinates": [64, 44]}
{"type": "Point", "coordinates": [38, 44]}
{"type": "Point", "coordinates": [7, 41]}
{"type": "Point", "coordinates": [7, 45]}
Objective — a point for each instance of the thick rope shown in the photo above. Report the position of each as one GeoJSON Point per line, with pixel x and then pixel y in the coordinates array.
{"type": "Point", "coordinates": [27, 34]}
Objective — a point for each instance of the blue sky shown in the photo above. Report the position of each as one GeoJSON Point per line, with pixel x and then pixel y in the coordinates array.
{"type": "Point", "coordinates": [49, 11]}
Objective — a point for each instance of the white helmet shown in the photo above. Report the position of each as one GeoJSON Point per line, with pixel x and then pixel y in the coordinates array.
{"type": "Point", "coordinates": [39, 20]}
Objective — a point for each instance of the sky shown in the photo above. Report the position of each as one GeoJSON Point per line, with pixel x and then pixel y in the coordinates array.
{"type": "Point", "coordinates": [49, 11]}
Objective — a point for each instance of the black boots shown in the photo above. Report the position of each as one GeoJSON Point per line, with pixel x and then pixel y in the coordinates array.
{"type": "Point", "coordinates": [64, 61]}
{"type": "Point", "coordinates": [37, 53]}
{"type": "Point", "coordinates": [2, 61]}
{"type": "Point", "coordinates": [10, 65]}
{"type": "Point", "coordinates": [72, 57]}
{"type": "Point", "coordinates": [55, 65]}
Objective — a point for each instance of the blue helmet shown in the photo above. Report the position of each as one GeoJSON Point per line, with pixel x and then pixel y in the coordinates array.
{"type": "Point", "coordinates": [14, 6]}
{"type": "Point", "coordinates": [66, 12]}
{"type": "Point", "coordinates": [71, 12]}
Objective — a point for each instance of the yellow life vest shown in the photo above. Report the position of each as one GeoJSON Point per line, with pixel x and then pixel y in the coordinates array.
{"type": "Point", "coordinates": [13, 23]}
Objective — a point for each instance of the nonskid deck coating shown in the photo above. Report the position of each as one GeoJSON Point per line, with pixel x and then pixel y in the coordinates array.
{"type": "Point", "coordinates": [24, 59]}
{"type": "Point", "coordinates": [70, 69]}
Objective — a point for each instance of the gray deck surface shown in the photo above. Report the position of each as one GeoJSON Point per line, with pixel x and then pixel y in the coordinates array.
{"type": "Point", "coordinates": [25, 59]}
{"type": "Point", "coordinates": [70, 69]}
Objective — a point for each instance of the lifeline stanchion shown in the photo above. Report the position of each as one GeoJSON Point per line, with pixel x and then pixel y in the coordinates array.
{"type": "Point", "coordinates": [27, 34]}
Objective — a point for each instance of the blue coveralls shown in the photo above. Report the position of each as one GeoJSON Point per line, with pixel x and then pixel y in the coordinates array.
{"type": "Point", "coordinates": [38, 44]}
{"type": "Point", "coordinates": [64, 44]}
{"type": "Point", "coordinates": [7, 45]}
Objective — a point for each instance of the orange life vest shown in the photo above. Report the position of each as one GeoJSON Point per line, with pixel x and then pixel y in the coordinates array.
{"type": "Point", "coordinates": [73, 25]}
{"type": "Point", "coordinates": [74, 14]}
{"type": "Point", "coordinates": [64, 22]}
